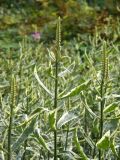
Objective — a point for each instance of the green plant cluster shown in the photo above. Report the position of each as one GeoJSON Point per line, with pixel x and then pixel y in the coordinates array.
{"type": "Point", "coordinates": [61, 102]}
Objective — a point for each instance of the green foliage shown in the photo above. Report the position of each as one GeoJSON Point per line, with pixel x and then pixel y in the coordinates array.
{"type": "Point", "coordinates": [41, 141]}
{"type": "Point", "coordinates": [27, 131]}
{"type": "Point", "coordinates": [76, 90]}
{"type": "Point", "coordinates": [104, 142]}
{"type": "Point", "coordinates": [66, 117]}
{"type": "Point", "coordinates": [58, 88]}
{"type": "Point", "coordinates": [110, 108]}
{"type": "Point", "coordinates": [41, 84]}
{"type": "Point", "coordinates": [52, 120]}
{"type": "Point", "coordinates": [79, 148]}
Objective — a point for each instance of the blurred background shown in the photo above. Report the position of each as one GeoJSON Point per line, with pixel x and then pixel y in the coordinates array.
{"type": "Point", "coordinates": [19, 18]}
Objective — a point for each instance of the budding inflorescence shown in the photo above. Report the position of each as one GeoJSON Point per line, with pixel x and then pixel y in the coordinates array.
{"type": "Point", "coordinates": [105, 63]}
{"type": "Point", "coordinates": [13, 91]}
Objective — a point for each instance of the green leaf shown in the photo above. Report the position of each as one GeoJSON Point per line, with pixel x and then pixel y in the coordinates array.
{"type": "Point", "coordinates": [29, 119]}
{"type": "Point", "coordinates": [89, 109]}
{"type": "Point", "coordinates": [52, 120]}
{"type": "Point", "coordinates": [66, 117]}
{"type": "Point", "coordinates": [41, 141]}
{"type": "Point", "coordinates": [39, 110]}
{"type": "Point", "coordinates": [112, 146]}
{"type": "Point", "coordinates": [75, 91]}
{"type": "Point", "coordinates": [69, 155]}
{"type": "Point", "coordinates": [28, 130]}
{"type": "Point", "coordinates": [51, 54]}
{"type": "Point", "coordinates": [67, 70]}
{"type": "Point", "coordinates": [110, 108]}
{"type": "Point", "coordinates": [104, 142]}
{"type": "Point", "coordinates": [79, 148]}
{"type": "Point", "coordinates": [41, 83]}
{"type": "Point", "coordinates": [32, 115]}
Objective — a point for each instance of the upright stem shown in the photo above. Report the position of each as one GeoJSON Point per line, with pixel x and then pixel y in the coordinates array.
{"type": "Point", "coordinates": [55, 106]}
{"type": "Point", "coordinates": [103, 86]}
{"type": "Point", "coordinates": [9, 133]}
{"type": "Point", "coordinates": [12, 105]}
{"type": "Point", "coordinates": [101, 116]}
{"type": "Point", "coordinates": [101, 109]}
{"type": "Point", "coordinates": [58, 41]}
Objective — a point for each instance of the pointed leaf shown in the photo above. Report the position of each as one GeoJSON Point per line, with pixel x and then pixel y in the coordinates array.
{"type": "Point", "coordinates": [104, 142]}
{"type": "Point", "coordinates": [32, 115]}
{"type": "Point", "coordinates": [41, 141]}
{"type": "Point", "coordinates": [78, 147]}
{"type": "Point", "coordinates": [28, 130]}
{"type": "Point", "coordinates": [89, 110]}
{"type": "Point", "coordinates": [26, 121]}
{"type": "Point", "coordinates": [52, 120]}
{"type": "Point", "coordinates": [112, 146]}
{"type": "Point", "coordinates": [51, 54]}
{"type": "Point", "coordinates": [66, 117]}
{"type": "Point", "coordinates": [41, 83]}
{"type": "Point", "coordinates": [39, 110]}
{"type": "Point", "coordinates": [110, 108]}
{"type": "Point", "coordinates": [75, 91]}
{"type": "Point", "coordinates": [67, 70]}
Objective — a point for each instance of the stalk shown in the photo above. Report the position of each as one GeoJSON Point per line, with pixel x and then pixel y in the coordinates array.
{"type": "Point", "coordinates": [102, 103]}
{"type": "Point", "coordinates": [55, 106]}
{"type": "Point", "coordinates": [101, 115]}
{"type": "Point", "coordinates": [9, 133]}
{"type": "Point", "coordinates": [58, 41]}
{"type": "Point", "coordinates": [12, 105]}
{"type": "Point", "coordinates": [20, 75]}
{"type": "Point", "coordinates": [103, 88]}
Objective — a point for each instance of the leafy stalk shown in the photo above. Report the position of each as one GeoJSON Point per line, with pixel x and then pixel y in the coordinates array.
{"type": "Point", "coordinates": [103, 88]}
{"type": "Point", "coordinates": [58, 48]}
{"type": "Point", "coordinates": [12, 105]}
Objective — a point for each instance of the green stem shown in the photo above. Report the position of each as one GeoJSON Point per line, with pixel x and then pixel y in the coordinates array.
{"type": "Point", "coordinates": [58, 40]}
{"type": "Point", "coordinates": [55, 106]}
{"type": "Point", "coordinates": [101, 109]}
{"type": "Point", "coordinates": [12, 105]}
{"type": "Point", "coordinates": [101, 117]}
{"type": "Point", "coordinates": [9, 132]}
{"type": "Point", "coordinates": [102, 104]}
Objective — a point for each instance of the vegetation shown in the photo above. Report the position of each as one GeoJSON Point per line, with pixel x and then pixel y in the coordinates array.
{"type": "Point", "coordinates": [60, 98]}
